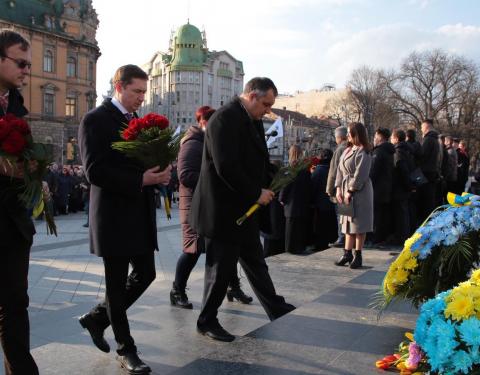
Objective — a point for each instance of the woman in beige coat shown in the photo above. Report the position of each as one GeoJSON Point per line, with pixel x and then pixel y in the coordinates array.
{"type": "Point", "coordinates": [353, 183]}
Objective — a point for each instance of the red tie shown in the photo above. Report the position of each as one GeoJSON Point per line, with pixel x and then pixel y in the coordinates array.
{"type": "Point", "coordinates": [4, 103]}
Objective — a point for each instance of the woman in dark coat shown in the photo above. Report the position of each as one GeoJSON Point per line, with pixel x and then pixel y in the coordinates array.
{"type": "Point", "coordinates": [296, 199]}
{"type": "Point", "coordinates": [325, 227]}
{"type": "Point", "coordinates": [188, 168]}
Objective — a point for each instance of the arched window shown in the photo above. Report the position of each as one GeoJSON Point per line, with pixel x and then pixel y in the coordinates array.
{"type": "Point", "coordinates": [48, 61]}
{"type": "Point", "coordinates": [71, 67]}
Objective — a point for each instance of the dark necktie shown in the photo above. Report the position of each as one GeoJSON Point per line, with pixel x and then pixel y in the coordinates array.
{"type": "Point", "coordinates": [128, 116]}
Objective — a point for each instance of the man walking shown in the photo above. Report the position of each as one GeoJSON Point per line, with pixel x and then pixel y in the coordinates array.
{"type": "Point", "coordinates": [16, 227]}
{"type": "Point", "coordinates": [122, 214]}
{"type": "Point", "coordinates": [232, 178]}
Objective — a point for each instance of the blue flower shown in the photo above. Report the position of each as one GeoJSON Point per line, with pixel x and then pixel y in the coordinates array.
{"type": "Point", "coordinates": [475, 354]}
{"type": "Point", "coordinates": [469, 331]}
{"type": "Point", "coordinates": [461, 362]}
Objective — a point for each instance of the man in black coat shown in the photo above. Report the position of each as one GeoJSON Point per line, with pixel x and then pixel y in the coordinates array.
{"type": "Point", "coordinates": [233, 177]}
{"type": "Point", "coordinates": [122, 214]}
{"type": "Point", "coordinates": [381, 173]}
{"type": "Point", "coordinates": [430, 168]}
{"type": "Point", "coordinates": [16, 226]}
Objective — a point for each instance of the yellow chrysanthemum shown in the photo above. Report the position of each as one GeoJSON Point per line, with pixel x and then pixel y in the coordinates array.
{"type": "Point", "coordinates": [409, 335]}
{"type": "Point", "coordinates": [460, 308]}
{"type": "Point", "coordinates": [411, 264]}
{"type": "Point", "coordinates": [475, 276]}
{"type": "Point", "coordinates": [401, 276]}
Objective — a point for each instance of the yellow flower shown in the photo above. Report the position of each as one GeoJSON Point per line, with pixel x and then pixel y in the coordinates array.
{"type": "Point", "coordinates": [460, 307]}
{"type": "Point", "coordinates": [409, 335]}
{"type": "Point", "coordinates": [475, 276]}
{"type": "Point", "coordinates": [411, 264]}
{"type": "Point", "coordinates": [401, 276]}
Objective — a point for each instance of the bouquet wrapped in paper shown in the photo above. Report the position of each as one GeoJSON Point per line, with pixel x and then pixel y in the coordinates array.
{"type": "Point", "coordinates": [17, 148]}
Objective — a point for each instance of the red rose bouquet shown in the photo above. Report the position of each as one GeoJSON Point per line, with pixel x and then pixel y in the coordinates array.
{"type": "Point", "coordinates": [150, 141]}
{"type": "Point", "coordinates": [17, 147]}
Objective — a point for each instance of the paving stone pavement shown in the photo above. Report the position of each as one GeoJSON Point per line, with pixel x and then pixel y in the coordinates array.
{"type": "Point", "coordinates": [333, 331]}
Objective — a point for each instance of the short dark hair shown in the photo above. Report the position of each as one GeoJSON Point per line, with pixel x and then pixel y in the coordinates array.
{"type": "Point", "coordinates": [399, 134]}
{"type": "Point", "coordinates": [261, 85]}
{"type": "Point", "coordinates": [125, 74]}
{"type": "Point", "coordinates": [358, 133]}
{"type": "Point", "coordinates": [429, 121]}
{"type": "Point", "coordinates": [384, 132]}
{"type": "Point", "coordinates": [204, 113]}
{"type": "Point", "coordinates": [411, 134]}
{"type": "Point", "coordinates": [10, 38]}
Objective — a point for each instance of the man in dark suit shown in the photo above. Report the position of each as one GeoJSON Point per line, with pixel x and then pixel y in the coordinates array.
{"type": "Point", "coordinates": [122, 214]}
{"type": "Point", "coordinates": [16, 226]}
{"type": "Point", "coordinates": [233, 177]}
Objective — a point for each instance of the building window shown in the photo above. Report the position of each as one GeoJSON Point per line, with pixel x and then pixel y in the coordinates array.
{"type": "Point", "coordinates": [48, 61]}
{"type": "Point", "coordinates": [90, 71]}
{"type": "Point", "coordinates": [48, 103]}
{"type": "Point", "coordinates": [71, 67]}
{"type": "Point", "coordinates": [71, 106]}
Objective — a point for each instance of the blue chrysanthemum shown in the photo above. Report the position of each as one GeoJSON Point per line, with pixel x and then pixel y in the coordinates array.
{"type": "Point", "coordinates": [469, 331]}
{"type": "Point", "coordinates": [461, 362]}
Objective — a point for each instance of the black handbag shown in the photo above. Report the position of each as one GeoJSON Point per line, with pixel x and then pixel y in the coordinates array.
{"type": "Point", "coordinates": [417, 177]}
{"type": "Point", "coordinates": [346, 209]}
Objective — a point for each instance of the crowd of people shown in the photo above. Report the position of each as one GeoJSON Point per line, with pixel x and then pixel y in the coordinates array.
{"type": "Point", "coordinates": [223, 169]}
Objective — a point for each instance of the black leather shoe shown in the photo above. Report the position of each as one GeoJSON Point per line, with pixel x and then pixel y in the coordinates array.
{"type": "Point", "coordinates": [357, 260]}
{"type": "Point", "coordinates": [133, 364]}
{"type": "Point", "coordinates": [215, 332]}
{"type": "Point", "coordinates": [95, 331]}
{"type": "Point", "coordinates": [238, 294]}
{"type": "Point", "coordinates": [347, 257]}
{"type": "Point", "coordinates": [179, 298]}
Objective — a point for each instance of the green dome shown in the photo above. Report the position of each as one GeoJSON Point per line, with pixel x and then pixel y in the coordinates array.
{"type": "Point", "coordinates": [189, 34]}
{"type": "Point", "coordinates": [187, 49]}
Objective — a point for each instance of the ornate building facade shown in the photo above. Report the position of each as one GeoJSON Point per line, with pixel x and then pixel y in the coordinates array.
{"type": "Point", "coordinates": [189, 76]}
{"type": "Point", "coordinates": [62, 84]}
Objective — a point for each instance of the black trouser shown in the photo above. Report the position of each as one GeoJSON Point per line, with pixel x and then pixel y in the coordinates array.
{"type": "Point", "coordinates": [296, 234]}
{"type": "Point", "coordinates": [122, 290]}
{"type": "Point", "coordinates": [381, 221]}
{"type": "Point", "coordinates": [14, 324]}
{"type": "Point", "coordinates": [401, 219]}
{"type": "Point", "coordinates": [221, 263]}
{"type": "Point", "coordinates": [185, 264]}
{"type": "Point", "coordinates": [426, 200]}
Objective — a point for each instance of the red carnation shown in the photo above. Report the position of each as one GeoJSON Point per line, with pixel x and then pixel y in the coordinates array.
{"type": "Point", "coordinates": [14, 143]}
{"type": "Point", "coordinates": [153, 120]}
{"type": "Point", "coordinates": [5, 128]}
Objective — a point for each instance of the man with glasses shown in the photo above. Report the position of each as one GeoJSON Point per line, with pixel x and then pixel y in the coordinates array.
{"type": "Point", "coordinates": [16, 227]}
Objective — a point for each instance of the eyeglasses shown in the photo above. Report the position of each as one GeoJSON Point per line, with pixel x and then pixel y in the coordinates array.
{"type": "Point", "coordinates": [21, 63]}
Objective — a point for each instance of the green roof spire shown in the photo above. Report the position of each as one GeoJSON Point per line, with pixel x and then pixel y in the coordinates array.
{"type": "Point", "coordinates": [188, 53]}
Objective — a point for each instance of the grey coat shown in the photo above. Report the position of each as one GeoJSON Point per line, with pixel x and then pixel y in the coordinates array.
{"type": "Point", "coordinates": [354, 174]}
{"type": "Point", "coordinates": [332, 172]}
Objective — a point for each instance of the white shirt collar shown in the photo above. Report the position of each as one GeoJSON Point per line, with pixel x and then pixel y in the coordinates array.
{"type": "Point", "coordinates": [119, 105]}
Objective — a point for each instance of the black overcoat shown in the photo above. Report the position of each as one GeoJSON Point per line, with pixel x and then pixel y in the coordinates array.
{"type": "Point", "coordinates": [15, 220]}
{"type": "Point", "coordinates": [122, 213]}
{"type": "Point", "coordinates": [234, 170]}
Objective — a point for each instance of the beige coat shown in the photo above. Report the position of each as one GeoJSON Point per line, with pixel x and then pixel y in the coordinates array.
{"type": "Point", "coordinates": [353, 174]}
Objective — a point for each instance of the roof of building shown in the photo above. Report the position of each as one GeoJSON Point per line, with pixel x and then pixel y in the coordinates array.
{"type": "Point", "coordinates": [299, 119]}
{"type": "Point", "coordinates": [188, 52]}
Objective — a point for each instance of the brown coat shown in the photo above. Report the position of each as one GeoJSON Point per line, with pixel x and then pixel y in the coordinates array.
{"type": "Point", "coordinates": [188, 168]}
{"type": "Point", "coordinates": [353, 174]}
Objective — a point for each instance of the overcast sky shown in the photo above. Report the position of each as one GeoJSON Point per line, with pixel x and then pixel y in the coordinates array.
{"type": "Point", "coordinates": [300, 44]}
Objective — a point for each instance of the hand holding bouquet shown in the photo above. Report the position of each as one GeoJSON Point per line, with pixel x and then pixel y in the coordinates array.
{"type": "Point", "coordinates": [29, 161]}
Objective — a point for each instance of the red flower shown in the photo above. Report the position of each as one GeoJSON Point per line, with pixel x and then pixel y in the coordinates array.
{"type": "Point", "coordinates": [19, 124]}
{"type": "Point", "coordinates": [14, 143]}
{"type": "Point", "coordinates": [153, 120]}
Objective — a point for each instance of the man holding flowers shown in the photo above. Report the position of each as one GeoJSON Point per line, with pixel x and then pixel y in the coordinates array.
{"type": "Point", "coordinates": [233, 177]}
{"type": "Point", "coordinates": [16, 226]}
{"type": "Point", "coordinates": [122, 214]}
